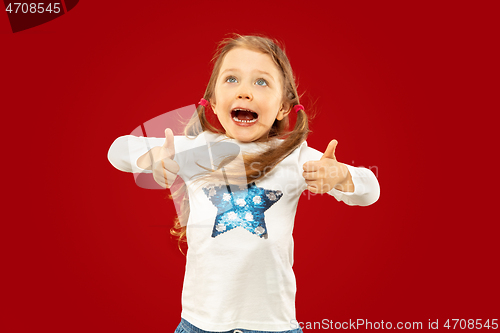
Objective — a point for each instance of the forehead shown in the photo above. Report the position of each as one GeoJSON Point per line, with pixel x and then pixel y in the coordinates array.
{"type": "Point", "coordinates": [246, 60]}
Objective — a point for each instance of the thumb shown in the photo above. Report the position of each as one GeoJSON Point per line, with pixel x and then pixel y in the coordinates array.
{"type": "Point", "coordinates": [330, 150]}
{"type": "Point", "coordinates": [169, 143]}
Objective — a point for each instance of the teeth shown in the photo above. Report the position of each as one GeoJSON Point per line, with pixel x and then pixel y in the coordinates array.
{"type": "Point", "coordinates": [243, 110]}
{"type": "Point", "coordinates": [244, 121]}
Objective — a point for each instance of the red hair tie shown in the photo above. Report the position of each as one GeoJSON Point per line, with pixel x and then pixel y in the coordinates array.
{"type": "Point", "coordinates": [298, 107]}
{"type": "Point", "coordinates": [203, 102]}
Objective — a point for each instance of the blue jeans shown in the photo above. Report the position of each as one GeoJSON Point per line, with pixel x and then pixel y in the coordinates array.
{"type": "Point", "coordinates": [187, 327]}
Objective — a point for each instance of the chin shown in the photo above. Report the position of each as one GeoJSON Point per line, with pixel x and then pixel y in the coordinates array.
{"type": "Point", "coordinates": [244, 138]}
{"type": "Point", "coordinates": [244, 134]}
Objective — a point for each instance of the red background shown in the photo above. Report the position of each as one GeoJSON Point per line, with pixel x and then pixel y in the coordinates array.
{"type": "Point", "coordinates": [410, 90]}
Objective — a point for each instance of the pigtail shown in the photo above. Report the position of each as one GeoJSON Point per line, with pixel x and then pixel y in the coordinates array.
{"type": "Point", "coordinates": [195, 126]}
{"type": "Point", "coordinates": [180, 195]}
{"type": "Point", "coordinates": [257, 166]}
{"type": "Point", "coordinates": [199, 123]}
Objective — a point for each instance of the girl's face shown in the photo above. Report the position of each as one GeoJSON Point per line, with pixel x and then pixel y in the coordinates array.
{"type": "Point", "coordinates": [248, 95]}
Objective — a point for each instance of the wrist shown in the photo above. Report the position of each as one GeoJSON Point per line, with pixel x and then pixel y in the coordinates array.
{"type": "Point", "coordinates": [346, 185]}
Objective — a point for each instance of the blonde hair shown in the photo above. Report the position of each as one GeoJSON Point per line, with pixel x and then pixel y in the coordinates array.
{"type": "Point", "coordinates": [268, 159]}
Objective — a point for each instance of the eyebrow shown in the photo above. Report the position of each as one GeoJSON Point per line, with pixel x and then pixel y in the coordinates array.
{"type": "Point", "coordinates": [255, 70]}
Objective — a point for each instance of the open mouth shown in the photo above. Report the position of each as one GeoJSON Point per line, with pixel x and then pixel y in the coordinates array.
{"type": "Point", "coordinates": [244, 116]}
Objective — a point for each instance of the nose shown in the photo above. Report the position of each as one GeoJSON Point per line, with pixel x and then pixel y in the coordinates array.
{"type": "Point", "coordinates": [244, 92]}
{"type": "Point", "coordinates": [244, 96]}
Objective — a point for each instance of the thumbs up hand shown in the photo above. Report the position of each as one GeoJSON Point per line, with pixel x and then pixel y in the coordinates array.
{"type": "Point", "coordinates": [165, 169]}
{"type": "Point", "coordinates": [327, 173]}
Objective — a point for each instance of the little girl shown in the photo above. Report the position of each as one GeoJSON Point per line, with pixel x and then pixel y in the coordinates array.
{"type": "Point", "coordinates": [242, 184]}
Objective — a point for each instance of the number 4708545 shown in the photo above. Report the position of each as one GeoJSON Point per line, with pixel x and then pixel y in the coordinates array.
{"type": "Point", "coordinates": [471, 324]}
{"type": "Point", "coordinates": [33, 8]}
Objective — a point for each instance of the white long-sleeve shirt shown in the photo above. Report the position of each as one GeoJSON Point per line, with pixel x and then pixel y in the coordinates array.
{"type": "Point", "coordinates": [240, 245]}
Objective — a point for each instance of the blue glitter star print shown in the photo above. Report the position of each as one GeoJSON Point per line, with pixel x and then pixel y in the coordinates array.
{"type": "Point", "coordinates": [241, 206]}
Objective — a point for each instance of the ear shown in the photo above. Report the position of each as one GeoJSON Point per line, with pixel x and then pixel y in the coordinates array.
{"type": "Point", "coordinates": [283, 112]}
{"type": "Point", "coordinates": [212, 105]}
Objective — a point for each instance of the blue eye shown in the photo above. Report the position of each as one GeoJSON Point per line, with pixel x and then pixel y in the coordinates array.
{"type": "Point", "coordinates": [262, 80]}
{"type": "Point", "coordinates": [231, 78]}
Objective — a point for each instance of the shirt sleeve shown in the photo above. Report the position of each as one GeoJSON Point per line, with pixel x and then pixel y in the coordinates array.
{"type": "Point", "coordinates": [125, 151]}
{"type": "Point", "coordinates": [366, 186]}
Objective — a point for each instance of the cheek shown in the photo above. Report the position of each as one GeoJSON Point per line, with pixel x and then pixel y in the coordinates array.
{"type": "Point", "coordinates": [220, 117]}
{"type": "Point", "coordinates": [270, 117]}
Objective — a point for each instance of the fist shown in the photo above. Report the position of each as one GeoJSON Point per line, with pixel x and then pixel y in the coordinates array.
{"type": "Point", "coordinates": [164, 167]}
{"type": "Point", "coordinates": [327, 173]}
